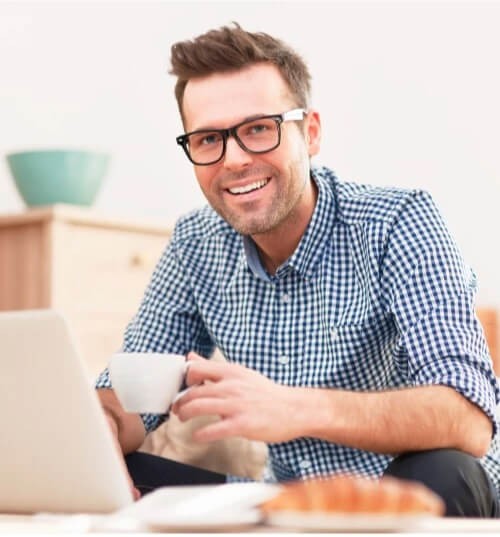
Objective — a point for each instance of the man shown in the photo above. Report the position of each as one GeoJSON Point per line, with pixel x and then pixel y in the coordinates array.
{"type": "Point", "coordinates": [345, 311]}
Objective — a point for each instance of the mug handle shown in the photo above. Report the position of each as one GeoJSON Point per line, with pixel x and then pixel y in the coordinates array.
{"type": "Point", "coordinates": [182, 392]}
{"type": "Point", "coordinates": [186, 367]}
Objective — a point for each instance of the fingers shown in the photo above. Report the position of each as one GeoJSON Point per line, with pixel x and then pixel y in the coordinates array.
{"type": "Point", "coordinates": [201, 370]}
{"type": "Point", "coordinates": [200, 391]}
{"type": "Point", "coordinates": [193, 356]}
{"type": "Point", "coordinates": [206, 406]}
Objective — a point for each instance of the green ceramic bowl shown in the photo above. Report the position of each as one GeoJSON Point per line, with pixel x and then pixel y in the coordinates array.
{"type": "Point", "coordinates": [46, 177]}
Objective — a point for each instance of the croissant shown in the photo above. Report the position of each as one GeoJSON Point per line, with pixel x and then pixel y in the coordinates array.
{"type": "Point", "coordinates": [350, 494]}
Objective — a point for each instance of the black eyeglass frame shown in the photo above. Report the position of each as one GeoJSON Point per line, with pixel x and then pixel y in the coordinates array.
{"type": "Point", "coordinates": [297, 114]}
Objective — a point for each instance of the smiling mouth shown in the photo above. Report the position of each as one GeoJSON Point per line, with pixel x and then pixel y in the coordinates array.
{"type": "Point", "coordinates": [257, 185]}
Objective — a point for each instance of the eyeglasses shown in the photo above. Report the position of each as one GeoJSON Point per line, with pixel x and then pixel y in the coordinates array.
{"type": "Point", "coordinates": [257, 135]}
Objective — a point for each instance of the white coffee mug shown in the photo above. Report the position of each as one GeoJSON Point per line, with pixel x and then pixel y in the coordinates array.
{"type": "Point", "coordinates": [147, 382]}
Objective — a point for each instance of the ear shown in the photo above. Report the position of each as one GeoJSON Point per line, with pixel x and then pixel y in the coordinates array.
{"type": "Point", "coordinates": [313, 132]}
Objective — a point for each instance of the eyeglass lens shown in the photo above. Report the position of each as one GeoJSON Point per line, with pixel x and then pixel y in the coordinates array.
{"type": "Point", "coordinates": [257, 135]}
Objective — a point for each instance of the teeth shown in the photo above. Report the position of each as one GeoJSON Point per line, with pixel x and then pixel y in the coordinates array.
{"type": "Point", "coordinates": [249, 188]}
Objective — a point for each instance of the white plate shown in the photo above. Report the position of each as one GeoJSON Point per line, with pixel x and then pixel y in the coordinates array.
{"type": "Point", "coordinates": [230, 521]}
{"type": "Point", "coordinates": [345, 523]}
{"type": "Point", "coordinates": [191, 508]}
{"type": "Point", "coordinates": [460, 525]}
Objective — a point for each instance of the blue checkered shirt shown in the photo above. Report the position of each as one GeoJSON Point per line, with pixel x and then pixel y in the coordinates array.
{"type": "Point", "coordinates": [376, 296]}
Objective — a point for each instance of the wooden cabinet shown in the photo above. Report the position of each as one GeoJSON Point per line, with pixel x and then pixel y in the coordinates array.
{"type": "Point", "coordinates": [92, 269]}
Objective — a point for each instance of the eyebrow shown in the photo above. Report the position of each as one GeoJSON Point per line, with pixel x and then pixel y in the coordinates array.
{"type": "Point", "coordinates": [248, 118]}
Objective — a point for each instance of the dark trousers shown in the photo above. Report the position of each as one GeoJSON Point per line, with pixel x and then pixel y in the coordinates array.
{"type": "Point", "coordinates": [455, 476]}
{"type": "Point", "coordinates": [149, 472]}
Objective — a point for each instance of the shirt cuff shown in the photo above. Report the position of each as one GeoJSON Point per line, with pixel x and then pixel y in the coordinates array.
{"type": "Point", "coordinates": [467, 381]}
{"type": "Point", "coordinates": [151, 421]}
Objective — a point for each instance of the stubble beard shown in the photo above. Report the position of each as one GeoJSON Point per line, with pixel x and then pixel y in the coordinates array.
{"type": "Point", "coordinates": [282, 206]}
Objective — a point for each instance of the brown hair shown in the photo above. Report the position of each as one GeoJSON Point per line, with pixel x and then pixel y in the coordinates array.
{"type": "Point", "coordinates": [232, 48]}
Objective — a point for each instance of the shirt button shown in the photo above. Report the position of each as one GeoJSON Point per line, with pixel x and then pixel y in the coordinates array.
{"type": "Point", "coordinates": [285, 298]}
{"type": "Point", "coordinates": [283, 360]}
{"type": "Point", "coordinates": [305, 464]}
{"type": "Point", "coordinates": [333, 333]}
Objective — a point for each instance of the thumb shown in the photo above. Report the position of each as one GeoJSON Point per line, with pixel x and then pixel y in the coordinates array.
{"type": "Point", "coordinates": [193, 357]}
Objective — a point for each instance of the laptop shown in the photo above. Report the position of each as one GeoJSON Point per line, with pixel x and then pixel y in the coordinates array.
{"type": "Point", "coordinates": [56, 449]}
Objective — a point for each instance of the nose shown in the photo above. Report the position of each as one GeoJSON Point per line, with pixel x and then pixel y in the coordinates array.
{"type": "Point", "coordinates": [235, 157]}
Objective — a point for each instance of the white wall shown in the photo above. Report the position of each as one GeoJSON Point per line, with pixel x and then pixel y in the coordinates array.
{"type": "Point", "coordinates": [409, 95]}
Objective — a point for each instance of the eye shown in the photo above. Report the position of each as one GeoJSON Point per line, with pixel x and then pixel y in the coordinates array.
{"type": "Point", "coordinates": [257, 128]}
{"type": "Point", "coordinates": [204, 140]}
{"type": "Point", "coordinates": [209, 139]}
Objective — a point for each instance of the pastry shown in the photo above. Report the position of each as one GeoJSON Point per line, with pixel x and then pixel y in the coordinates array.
{"type": "Point", "coordinates": [350, 494]}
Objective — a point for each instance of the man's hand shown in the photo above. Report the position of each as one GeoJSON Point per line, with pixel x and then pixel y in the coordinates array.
{"type": "Point", "coordinates": [249, 404]}
{"type": "Point", "coordinates": [393, 421]}
{"type": "Point", "coordinates": [127, 429]}
{"type": "Point", "coordinates": [114, 430]}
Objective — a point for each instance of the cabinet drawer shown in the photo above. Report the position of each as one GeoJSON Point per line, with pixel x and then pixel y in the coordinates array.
{"type": "Point", "coordinates": [103, 270]}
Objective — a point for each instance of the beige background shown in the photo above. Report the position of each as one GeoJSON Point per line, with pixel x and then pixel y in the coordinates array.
{"type": "Point", "coordinates": [409, 95]}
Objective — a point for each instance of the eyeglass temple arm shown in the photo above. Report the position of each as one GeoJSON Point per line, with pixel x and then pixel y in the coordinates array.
{"type": "Point", "coordinates": [294, 115]}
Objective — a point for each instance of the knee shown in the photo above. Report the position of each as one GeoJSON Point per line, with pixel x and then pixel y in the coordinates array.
{"type": "Point", "coordinates": [454, 475]}
{"type": "Point", "coordinates": [435, 464]}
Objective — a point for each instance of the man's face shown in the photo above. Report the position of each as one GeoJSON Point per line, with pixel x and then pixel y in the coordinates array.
{"type": "Point", "coordinates": [283, 191]}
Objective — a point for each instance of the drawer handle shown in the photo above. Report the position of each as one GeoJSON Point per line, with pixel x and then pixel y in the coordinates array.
{"type": "Point", "coordinates": [138, 260]}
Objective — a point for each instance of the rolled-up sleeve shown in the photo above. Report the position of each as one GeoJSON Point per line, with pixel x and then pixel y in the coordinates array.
{"type": "Point", "coordinates": [430, 292]}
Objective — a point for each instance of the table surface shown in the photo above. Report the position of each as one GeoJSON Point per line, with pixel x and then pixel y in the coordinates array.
{"type": "Point", "coordinates": [82, 523]}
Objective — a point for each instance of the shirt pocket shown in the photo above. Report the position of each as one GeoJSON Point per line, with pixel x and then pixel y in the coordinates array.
{"type": "Point", "coordinates": [355, 356]}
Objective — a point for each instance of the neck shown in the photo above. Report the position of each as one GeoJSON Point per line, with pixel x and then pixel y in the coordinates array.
{"type": "Point", "coordinates": [277, 245]}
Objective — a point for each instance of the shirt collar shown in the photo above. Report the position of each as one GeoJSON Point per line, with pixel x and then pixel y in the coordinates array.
{"type": "Point", "coordinates": [312, 245]}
